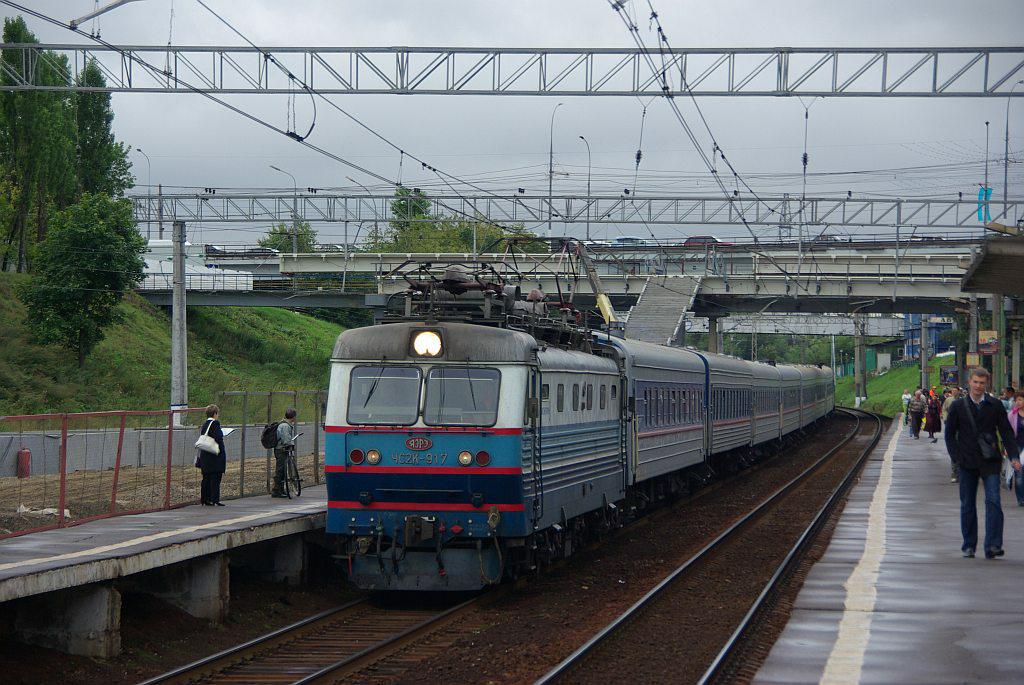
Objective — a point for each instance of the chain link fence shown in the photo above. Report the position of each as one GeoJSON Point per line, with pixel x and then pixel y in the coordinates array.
{"type": "Point", "coordinates": [58, 470]}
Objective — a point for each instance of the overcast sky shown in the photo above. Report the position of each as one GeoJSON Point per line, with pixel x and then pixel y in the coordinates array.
{"type": "Point", "coordinates": [195, 143]}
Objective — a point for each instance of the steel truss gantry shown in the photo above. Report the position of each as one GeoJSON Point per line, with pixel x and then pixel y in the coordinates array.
{"type": "Point", "coordinates": [712, 210]}
{"type": "Point", "coordinates": [779, 71]}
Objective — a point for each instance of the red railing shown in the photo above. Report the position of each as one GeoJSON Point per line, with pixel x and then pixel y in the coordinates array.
{"type": "Point", "coordinates": [73, 468]}
{"type": "Point", "coordinates": [60, 470]}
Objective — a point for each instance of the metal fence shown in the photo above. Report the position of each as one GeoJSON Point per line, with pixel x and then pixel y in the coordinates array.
{"type": "Point", "coordinates": [60, 470]}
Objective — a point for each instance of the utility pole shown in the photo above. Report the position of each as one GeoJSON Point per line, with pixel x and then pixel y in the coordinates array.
{"type": "Point", "coordinates": [295, 210]}
{"type": "Point", "coordinates": [179, 339]}
{"type": "Point", "coordinates": [551, 166]}
{"type": "Point", "coordinates": [149, 189]}
{"type": "Point", "coordinates": [160, 210]}
{"type": "Point", "coordinates": [833, 357]}
{"type": "Point", "coordinates": [1006, 152]}
{"type": "Point", "coordinates": [858, 357]}
{"type": "Point", "coordinates": [972, 334]}
{"type": "Point", "coordinates": [923, 352]}
{"type": "Point", "coordinates": [588, 179]}
{"type": "Point", "coordinates": [999, 358]}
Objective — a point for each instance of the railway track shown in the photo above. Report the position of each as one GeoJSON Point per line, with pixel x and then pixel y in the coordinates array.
{"type": "Point", "coordinates": [362, 642]}
{"type": "Point", "coordinates": [358, 642]}
{"type": "Point", "coordinates": [728, 664]}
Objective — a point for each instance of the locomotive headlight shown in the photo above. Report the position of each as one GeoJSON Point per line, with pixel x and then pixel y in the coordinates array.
{"type": "Point", "coordinates": [427, 344]}
{"type": "Point", "coordinates": [465, 458]}
{"type": "Point", "coordinates": [373, 456]}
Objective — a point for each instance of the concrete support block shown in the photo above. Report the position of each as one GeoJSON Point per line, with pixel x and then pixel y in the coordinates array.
{"type": "Point", "coordinates": [282, 561]}
{"type": "Point", "coordinates": [84, 620]}
{"type": "Point", "coordinates": [200, 587]}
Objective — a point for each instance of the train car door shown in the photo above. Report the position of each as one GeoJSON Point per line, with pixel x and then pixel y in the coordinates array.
{"type": "Point", "coordinates": [535, 417]}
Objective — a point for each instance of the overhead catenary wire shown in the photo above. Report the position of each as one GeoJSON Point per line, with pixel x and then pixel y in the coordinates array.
{"type": "Point", "coordinates": [634, 31]}
{"type": "Point", "coordinates": [155, 71]}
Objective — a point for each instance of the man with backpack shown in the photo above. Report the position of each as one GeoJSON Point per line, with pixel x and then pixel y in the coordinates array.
{"type": "Point", "coordinates": [285, 440]}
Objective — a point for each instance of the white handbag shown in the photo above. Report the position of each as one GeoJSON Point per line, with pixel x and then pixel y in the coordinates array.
{"type": "Point", "coordinates": [206, 443]}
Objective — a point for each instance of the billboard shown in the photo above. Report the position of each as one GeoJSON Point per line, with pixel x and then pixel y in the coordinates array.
{"type": "Point", "coordinates": [988, 342]}
{"type": "Point", "coordinates": [949, 375]}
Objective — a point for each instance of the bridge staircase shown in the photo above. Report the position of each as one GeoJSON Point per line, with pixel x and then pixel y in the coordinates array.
{"type": "Point", "coordinates": [661, 306]}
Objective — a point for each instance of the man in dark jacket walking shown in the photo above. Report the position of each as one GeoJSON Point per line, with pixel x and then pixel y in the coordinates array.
{"type": "Point", "coordinates": [974, 422]}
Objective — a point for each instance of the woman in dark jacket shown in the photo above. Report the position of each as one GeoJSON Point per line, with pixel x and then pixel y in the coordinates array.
{"type": "Point", "coordinates": [933, 417]}
{"type": "Point", "coordinates": [212, 465]}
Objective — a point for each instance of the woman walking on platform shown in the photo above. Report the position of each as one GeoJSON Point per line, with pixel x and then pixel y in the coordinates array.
{"type": "Point", "coordinates": [1016, 417]}
{"type": "Point", "coordinates": [932, 419]}
{"type": "Point", "coordinates": [915, 409]}
{"type": "Point", "coordinates": [212, 464]}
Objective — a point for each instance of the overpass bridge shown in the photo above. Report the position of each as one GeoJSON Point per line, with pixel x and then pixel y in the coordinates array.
{"type": "Point", "coordinates": [763, 288]}
{"type": "Point", "coordinates": [781, 211]}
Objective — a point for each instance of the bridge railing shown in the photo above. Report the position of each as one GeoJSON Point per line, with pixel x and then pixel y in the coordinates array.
{"type": "Point", "coordinates": [59, 470]}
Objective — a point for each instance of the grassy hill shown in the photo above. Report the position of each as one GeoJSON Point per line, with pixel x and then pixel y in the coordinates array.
{"type": "Point", "coordinates": [229, 349]}
{"type": "Point", "coordinates": [884, 391]}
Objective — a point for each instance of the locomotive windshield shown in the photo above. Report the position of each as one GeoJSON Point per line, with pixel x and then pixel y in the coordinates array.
{"type": "Point", "coordinates": [462, 396]}
{"type": "Point", "coordinates": [388, 395]}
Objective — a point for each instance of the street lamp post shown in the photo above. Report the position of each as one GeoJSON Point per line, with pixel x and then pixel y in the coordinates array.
{"type": "Point", "coordinates": [551, 165]}
{"type": "Point", "coordinates": [295, 210]}
{"type": "Point", "coordinates": [1006, 149]}
{"type": "Point", "coordinates": [588, 185]}
{"type": "Point", "coordinates": [149, 189]}
{"type": "Point", "coordinates": [376, 214]}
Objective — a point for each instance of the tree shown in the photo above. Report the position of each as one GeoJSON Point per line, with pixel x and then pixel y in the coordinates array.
{"type": "Point", "coordinates": [36, 144]}
{"type": "Point", "coordinates": [90, 257]}
{"type": "Point", "coordinates": [414, 229]}
{"type": "Point", "coordinates": [102, 162]}
{"type": "Point", "coordinates": [279, 237]}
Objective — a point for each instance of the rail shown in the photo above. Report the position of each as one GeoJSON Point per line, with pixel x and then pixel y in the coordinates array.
{"type": "Point", "coordinates": [592, 645]}
{"type": "Point", "coordinates": [310, 646]}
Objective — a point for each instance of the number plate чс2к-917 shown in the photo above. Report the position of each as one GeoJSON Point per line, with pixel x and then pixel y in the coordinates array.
{"type": "Point", "coordinates": [419, 458]}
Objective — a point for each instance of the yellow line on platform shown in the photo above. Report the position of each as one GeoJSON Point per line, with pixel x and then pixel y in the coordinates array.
{"type": "Point", "coordinates": [847, 657]}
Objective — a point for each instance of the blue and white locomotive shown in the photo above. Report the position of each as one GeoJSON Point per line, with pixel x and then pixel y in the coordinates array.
{"type": "Point", "coordinates": [458, 454]}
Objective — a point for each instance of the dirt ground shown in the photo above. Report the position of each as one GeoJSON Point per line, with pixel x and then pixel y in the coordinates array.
{"type": "Point", "coordinates": [157, 637]}
{"type": "Point", "coordinates": [88, 492]}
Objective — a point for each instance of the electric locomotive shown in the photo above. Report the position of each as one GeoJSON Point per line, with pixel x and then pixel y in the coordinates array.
{"type": "Point", "coordinates": [459, 453]}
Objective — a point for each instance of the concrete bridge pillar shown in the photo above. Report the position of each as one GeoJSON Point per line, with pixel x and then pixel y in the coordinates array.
{"type": "Point", "coordinates": [84, 620]}
{"type": "Point", "coordinates": [713, 333]}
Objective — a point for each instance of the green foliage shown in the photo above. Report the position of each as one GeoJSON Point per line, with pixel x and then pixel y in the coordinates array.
{"type": "Point", "coordinates": [414, 229]}
{"type": "Point", "coordinates": [885, 390]}
{"type": "Point", "coordinates": [91, 256]}
{"type": "Point", "coordinates": [228, 349]}
{"type": "Point", "coordinates": [53, 146]}
{"type": "Point", "coordinates": [279, 237]}
{"type": "Point", "coordinates": [103, 165]}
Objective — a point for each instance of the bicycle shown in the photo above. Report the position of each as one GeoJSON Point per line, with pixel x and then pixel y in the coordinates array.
{"type": "Point", "coordinates": [292, 479]}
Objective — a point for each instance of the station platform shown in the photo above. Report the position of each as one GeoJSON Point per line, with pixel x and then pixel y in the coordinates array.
{"type": "Point", "coordinates": [112, 548]}
{"type": "Point", "coordinates": [892, 600]}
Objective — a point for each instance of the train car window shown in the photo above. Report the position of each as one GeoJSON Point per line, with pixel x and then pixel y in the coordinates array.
{"type": "Point", "coordinates": [461, 396]}
{"type": "Point", "coordinates": [560, 397]}
{"type": "Point", "coordinates": [615, 390]}
{"type": "Point", "coordinates": [575, 396]}
{"type": "Point", "coordinates": [603, 398]}
{"type": "Point", "coordinates": [590, 396]}
{"type": "Point", "coordinates": [545, 393]}
{"type": "Point", "coordinates": [384, 395]}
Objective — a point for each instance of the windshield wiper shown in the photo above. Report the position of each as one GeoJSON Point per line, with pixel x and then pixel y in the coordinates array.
{"type": "Point", "coordinates": [472, 394]}
{"type": "Point", "coordinates": [373, 388]}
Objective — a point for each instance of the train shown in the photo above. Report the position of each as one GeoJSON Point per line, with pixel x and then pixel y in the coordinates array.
{"type": "Point", "coordinates": [458, 454]}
